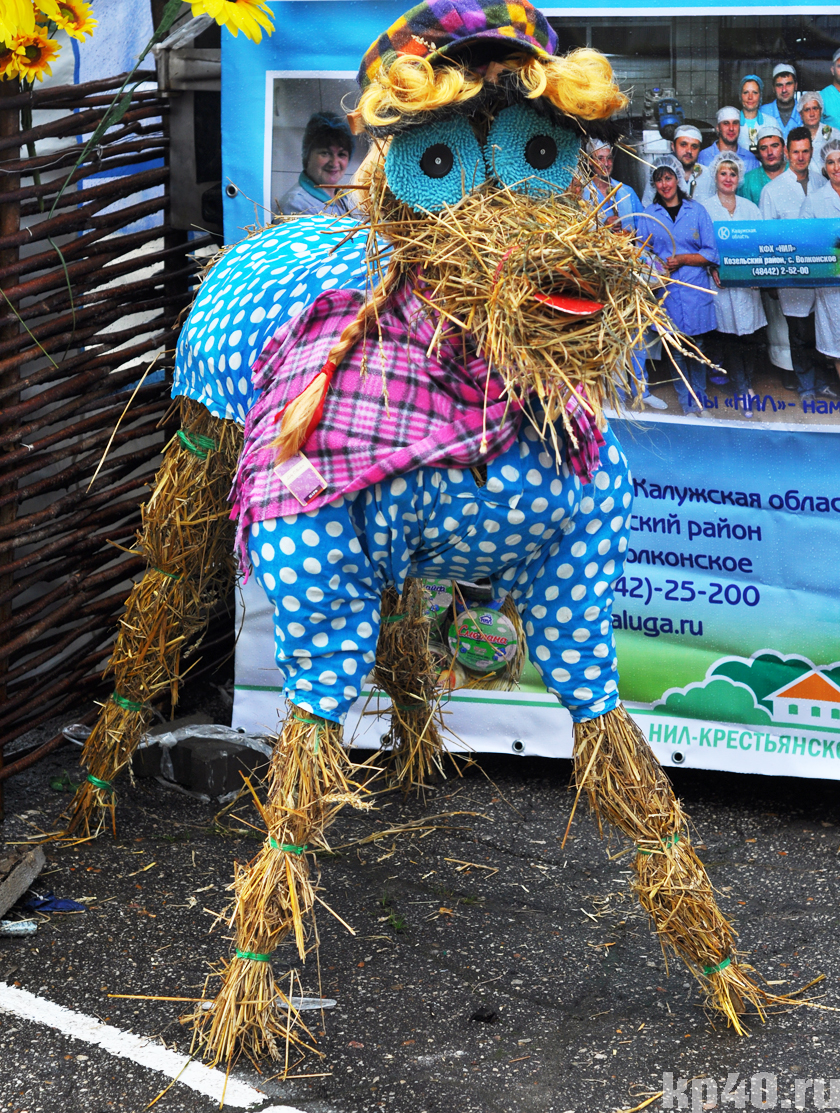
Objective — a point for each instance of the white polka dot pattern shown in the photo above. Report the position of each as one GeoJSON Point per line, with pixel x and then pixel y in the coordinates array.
{"type": "Point", "coordinates": [436, 523]}
{"type": "Point", "coordinates": [268, 279]}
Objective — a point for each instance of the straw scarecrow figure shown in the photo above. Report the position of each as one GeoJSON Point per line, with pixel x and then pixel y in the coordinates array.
{"type": "Point", "coordinates": [422, 392]}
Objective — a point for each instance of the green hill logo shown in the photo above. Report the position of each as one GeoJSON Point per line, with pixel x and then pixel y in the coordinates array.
{"type": "Point", "coordinates": [766, 689]}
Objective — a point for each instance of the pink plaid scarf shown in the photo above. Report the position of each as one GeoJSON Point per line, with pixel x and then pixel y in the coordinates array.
{"type": "Point", "coordinates": [415, 404]}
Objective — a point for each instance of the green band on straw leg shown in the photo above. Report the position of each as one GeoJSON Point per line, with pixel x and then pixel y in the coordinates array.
{"type": "Point", "coordinates": [319, 726]}
{"type": "Point", "coordinates": [286, 847]}
{"type": "Point", "coordinates": [196, 444]}
{"type": "Point", "coordinates": [708, 970]}
{"type": "Point", "coordinates": [127, 704]}
{"type": "Point", "coordinates": [667, 843]}
{"type": "Point", "coordinates": [163, 572]}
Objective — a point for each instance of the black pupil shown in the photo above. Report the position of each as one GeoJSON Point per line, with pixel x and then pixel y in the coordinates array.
{"type": "Point", "coordinates": [541, 152]}
{"type": "Point", "coordinates": [437, 161]}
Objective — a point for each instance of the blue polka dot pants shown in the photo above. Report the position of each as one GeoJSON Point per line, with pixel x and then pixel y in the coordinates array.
{"type": "Point", "coordinates": [554, 546]}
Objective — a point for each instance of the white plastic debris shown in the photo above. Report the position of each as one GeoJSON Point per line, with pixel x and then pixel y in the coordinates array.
{"type": "Point", "coordinates": [211, 732]}
{"type": "Point", "coordinates": [302, 1004]}
{"type": "Point", "coordinates": [76, 732]}
{"type": "Point", "coordinates": [18, 927]}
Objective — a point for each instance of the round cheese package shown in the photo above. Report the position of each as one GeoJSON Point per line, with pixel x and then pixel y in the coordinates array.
{"type": "Point", "coordinates": [484, 639]}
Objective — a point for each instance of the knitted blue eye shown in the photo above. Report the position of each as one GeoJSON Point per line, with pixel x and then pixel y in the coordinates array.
{"type": "Point", "coordinates": [434, 165]}
{"type": "Point", "coordinates": [529, 153]}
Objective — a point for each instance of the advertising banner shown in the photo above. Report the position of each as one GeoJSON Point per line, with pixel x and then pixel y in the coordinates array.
{"type": "Point", "coordinates": [776, 253]}
{"type": "Point", "coordinates": [729, 611]}
{"type": "Point", "coordinates": [727, 615]}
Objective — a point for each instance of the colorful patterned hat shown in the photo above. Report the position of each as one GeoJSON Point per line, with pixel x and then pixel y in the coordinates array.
{"type": "Point", "coordinates": [437, 28]}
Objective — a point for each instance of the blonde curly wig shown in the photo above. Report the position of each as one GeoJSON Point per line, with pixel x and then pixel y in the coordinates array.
{"type": "Point", "coordinates": [580, 84]}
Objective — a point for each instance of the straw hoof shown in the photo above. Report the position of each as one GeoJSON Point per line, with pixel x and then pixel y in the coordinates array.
{"type": "Point", "coordinates": [252, 1016]}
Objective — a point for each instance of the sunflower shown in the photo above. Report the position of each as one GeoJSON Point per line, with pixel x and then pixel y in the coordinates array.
{"type": "Point", "coordinates": [33, 54]}
{"type": "Point", "coordinates": [8, 62]}
{"type": "Point", "coordinates": [17, 17]}
{"type": "Point", "coordinates": [247, 16]}
{"type": "Point", "coordinates": [72, 16]}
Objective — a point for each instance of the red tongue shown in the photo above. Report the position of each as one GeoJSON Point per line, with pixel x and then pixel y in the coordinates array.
{"type": "Point", "coordinates": [575, 307]}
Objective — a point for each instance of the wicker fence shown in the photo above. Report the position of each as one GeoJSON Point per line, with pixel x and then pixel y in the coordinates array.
{"type": "Point", "coordinates": [93, 284]}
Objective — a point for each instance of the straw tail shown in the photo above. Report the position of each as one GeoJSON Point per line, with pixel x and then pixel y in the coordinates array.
{"type": "Point", "coordinates": [406, 672]}
{"type": "Point", "coordinates": [310, 779]}
{"type": "Point", "coordinates": [627, 788]}
{"type": "Point", "coordinates": [187, 540]}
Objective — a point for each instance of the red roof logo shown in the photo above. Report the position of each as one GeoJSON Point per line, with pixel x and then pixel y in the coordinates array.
{"type": "Point", "coordinates": [814, 686]}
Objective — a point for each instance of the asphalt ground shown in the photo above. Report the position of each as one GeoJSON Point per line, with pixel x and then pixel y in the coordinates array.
{"type": "Point", "coordinates": [476, 912]}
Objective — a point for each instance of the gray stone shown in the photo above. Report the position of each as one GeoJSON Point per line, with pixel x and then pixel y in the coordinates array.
{"type": "Point", "coordinates": [18, 870]}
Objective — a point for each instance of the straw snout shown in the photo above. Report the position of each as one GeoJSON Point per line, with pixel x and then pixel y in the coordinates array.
{"type": "Point", "coordinates": [541, 266]}
{"type": "Point", "coordinates": [553, 299]}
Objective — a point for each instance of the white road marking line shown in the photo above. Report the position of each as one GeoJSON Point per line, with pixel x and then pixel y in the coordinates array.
{"type": "Point", "coordinates": [139, 1049]}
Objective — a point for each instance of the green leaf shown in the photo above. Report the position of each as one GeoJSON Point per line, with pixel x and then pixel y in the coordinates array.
{"type": "Point", "coordinates": [64, 783]}
{"type": "Point", "coordinates": [170, 14]}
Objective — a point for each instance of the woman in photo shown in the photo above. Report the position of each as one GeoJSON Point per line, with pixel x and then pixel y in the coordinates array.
{"type": "Point", "coordinates": [752, 90]}
{"type": "Point", "coordinates": [811, 110]}
{"type": "Point", "coordinates": [326, 150]}
{"type": "Point", "coordinates": [738, 310]}
{"type": "Point", "coordinates": [679, 233]}
{"type": "Point", "coordinates": [821, 205]}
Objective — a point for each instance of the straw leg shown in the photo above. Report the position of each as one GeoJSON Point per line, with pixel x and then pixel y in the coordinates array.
{"type": "Point", "coordinates": [627, 788]}
{"type": "Point", "coordinates": [187, 539]}
{"type": "Point", "coordinates": [406, 672]}
{"type": "Point", "coordinates": [310, 780]}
